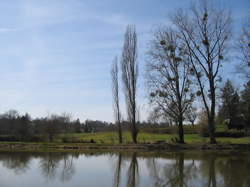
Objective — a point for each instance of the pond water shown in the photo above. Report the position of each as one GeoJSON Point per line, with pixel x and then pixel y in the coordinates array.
{"type": "Point", "coordinates": [142, 169]}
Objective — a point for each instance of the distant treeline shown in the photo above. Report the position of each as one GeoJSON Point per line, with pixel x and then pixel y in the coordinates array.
{"type": "Point", "coordinates": [16, 127]}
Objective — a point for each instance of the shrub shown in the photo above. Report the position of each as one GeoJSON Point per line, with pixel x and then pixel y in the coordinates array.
{"type": "Point", "coordinates": [203, 130]}
{"type": "Point", "coordinates": [65, 140]}
{"type": "Point", "coordinates": [8, 138]}
{"type": "Point", "coordinates": [170, 130]}
{"type": "Point", "coordinates": [76, 140]}
{"type": "Point", "coordinates": [35, 139]}
{"type": "Point", "coordinates": [233, 134]}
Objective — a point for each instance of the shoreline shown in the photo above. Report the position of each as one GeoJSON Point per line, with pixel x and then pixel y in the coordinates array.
{"type": "Point", "coordinates": [27, 146]}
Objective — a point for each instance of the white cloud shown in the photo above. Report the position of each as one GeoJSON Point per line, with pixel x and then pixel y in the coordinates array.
{"type": "Point", "coordinates": [6, 30]}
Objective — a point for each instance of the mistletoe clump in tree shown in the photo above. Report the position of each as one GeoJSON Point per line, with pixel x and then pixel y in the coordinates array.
{"type": "Point", "coordinates": [205, 30]}
{"type": "Point", "coordinates": [168, 77]}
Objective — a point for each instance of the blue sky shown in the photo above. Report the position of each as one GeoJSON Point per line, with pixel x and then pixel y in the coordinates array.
{"type": "Point", "coordinates": [55, 55]}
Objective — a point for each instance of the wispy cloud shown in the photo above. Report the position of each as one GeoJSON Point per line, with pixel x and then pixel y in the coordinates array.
{"type": "Point", "coordinates": [6, 30]}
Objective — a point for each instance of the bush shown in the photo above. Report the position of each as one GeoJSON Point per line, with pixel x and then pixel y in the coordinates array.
{"type": "Point", "coordinates": [35, 139]}
{"type": "Point", "coordinates": [76, 140]}
{"type": "Point", "coordinates": [203, 131]}
{"type": "Point", "coordinates": [203, 123]}
{"type": "Point", "coordinates": [8, 139]}
{"type": "Point", "coordinates": [65, 140]}
{"type": "Point", "coordinates": [188, 129]}
{"type": "Point", "coordinates": [233, 134]}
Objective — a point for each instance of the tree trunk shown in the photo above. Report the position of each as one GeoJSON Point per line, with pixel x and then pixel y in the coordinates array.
{"type": "Point", "coordinates": [134, 128]}
{"type": "Point", "coordinates": [211, 129]}
{"type": "Point", "coordinates": [181, 133]}
{"type": "Point", "coordinates": [119, 132]}
{"type": "Point", "coordinates": [211, 116]}
{"type": "Point", "coordinates": [50, 137]}
{"type": "Point", "coordinates": [119, 124]}
{"type": "Point", "coordinates": [192, 124]}
{"type": "Point", "coordinates": [134, 132]}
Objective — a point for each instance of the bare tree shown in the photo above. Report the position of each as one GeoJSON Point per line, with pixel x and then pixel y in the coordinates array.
{"type": "Point", "coordinates": [205, 30]}
{"type": "Point", "coordinates": [129, 68]}
{"type": "Point", "coordinates": [243, 46]}
{"type": "Point", "coordinates": [191, 114]}
{"type": "Point", "coordinates": [64, 119]}
{"type": "Point", "coordinates": [51, 126]}
{"type": "Point", "coordinates": [116, 100]}
{"type": "Point", "coordinates": [168, 76]}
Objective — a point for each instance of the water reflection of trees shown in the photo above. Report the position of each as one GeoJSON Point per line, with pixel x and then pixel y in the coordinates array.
{"type": "Point", "coordinates": [173, 169]}
{"type": "Point", "coordinates": [19, 162]}
{"type": "Point", "coordinates": [117, 175]}
{"type": "Point", "coordinates": [229, 171]}
{"type": "Point", "coordinates": [132, 171]}
{"type": "Point", "coordinates": [174, 173]}
{"type": "Point", "coordinates": [68, 168]}
{"type": "Point", "coordinates": [179, 169]}
{"type": "Point", "coordinates": [50, 164]}
{"type": "Point", "coordinates": [208, 170]}
{"type": "Point", "coordinates": [234, 170]}
{"type": "Point", "coordinates": [61, 163]}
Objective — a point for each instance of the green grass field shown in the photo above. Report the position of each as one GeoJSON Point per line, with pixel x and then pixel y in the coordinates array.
{"type": "Point", "coordinates": [148, 135]}
{"type": "Point", "coordinates": [112, 138]}
{"type": "Point", "coordinates": [151, 135]}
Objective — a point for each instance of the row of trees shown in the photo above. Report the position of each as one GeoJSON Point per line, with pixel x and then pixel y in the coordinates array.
{"type": "Point", "coordinates": [22, 127]}
{"type": "Point", "coordinates": [183, 65]}
{"type": "Point", "coordinates": [129, 68]}
{"type": "Point", "coordinates": [17, 127]}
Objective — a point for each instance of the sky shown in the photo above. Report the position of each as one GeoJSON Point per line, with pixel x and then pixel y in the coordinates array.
{"type": "Point", "coordinates": [56, 55]}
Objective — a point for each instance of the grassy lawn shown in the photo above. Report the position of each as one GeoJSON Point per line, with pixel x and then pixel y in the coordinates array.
{"type": "Point", "coordinates": [150, 135]}
{"type": "Point", "coordinates": [112, 138]}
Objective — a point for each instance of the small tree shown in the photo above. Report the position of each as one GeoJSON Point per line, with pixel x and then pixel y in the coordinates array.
{"type": "Point", "coordinates": [77, 126]}
{"type": "Point", "coordinates": [191, 114]}
{"type": "Point", "coordinates": [51, 126]}
{"type": "Point", "coordinates": [245, 103]}
{"type": "Point", "coordinates": [116, 100]}
{"type": "Point", "coordinates": [24, 127]}
{"type": "Point", "coordinates": [203, 123]}
{"type": "Point", "coordinates": [63, 121]}
{"type": "Point", "coordinates": [230, 103]}
{"type": "Point", "coordinates": [129, 66]}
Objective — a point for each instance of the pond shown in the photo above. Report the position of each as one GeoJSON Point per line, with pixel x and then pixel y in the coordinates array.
{"type": "Point", "coordinates": [130, 169]}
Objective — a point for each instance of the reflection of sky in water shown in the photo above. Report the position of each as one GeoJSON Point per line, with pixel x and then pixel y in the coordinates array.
{"type": "Point", "coordinates": [82, 170]}
{"type": "Point", "coordinates": [90, 171]}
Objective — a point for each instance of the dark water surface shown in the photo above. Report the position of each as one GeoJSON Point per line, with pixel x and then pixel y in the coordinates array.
{"type": "Point", "coordinates": [19, 169]}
